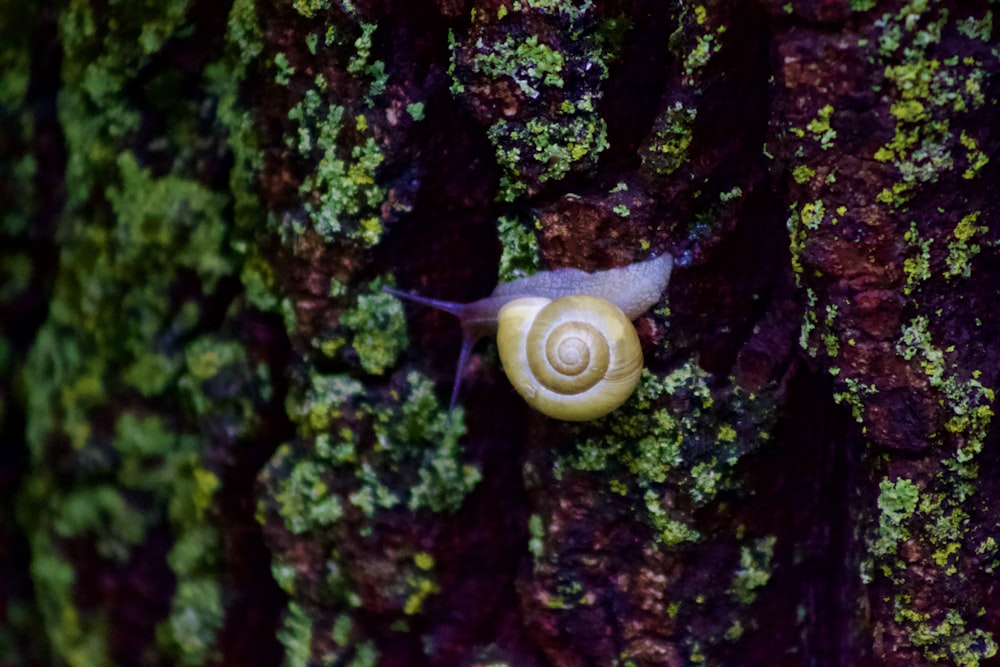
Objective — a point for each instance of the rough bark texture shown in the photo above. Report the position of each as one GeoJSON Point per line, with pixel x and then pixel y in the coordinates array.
{"type": "Point", "coordinates": [224, 443]}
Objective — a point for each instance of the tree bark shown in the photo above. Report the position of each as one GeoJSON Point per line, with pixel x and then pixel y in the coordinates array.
{"type": "Point", "coordinates": [225, 443]}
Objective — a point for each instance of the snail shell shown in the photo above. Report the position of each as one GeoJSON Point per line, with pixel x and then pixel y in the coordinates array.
{"type": "Point", "coordinates": [622, 293]}
{"type": "Point", "coordinates": [575, 358]}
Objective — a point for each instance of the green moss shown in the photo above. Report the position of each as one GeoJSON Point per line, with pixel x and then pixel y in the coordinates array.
{"type": "Point", "coordinates": [378, 327]}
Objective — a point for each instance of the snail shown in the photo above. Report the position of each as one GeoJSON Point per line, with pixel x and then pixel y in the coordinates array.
{"type": "Point", "coordinates": [565, 337]}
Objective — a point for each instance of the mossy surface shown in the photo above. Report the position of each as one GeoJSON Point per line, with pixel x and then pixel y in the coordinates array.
{"type": "Point", "coordinates": [544, 65]}
{"type": "Point", "coordinates": [648, 476]}
{"type": "Point", "coordinates": [134, 380]}
{"type": "Point", "coordinates": [894, 222]}
{"type": "Point", "coordinates": [361, 461]}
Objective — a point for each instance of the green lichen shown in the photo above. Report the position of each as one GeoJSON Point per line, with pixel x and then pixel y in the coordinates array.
{"type": "Point", "coordinates": [420, 584]}
{"type": "Point", "coordinates": [414, 433]}
{"type": "Point", "coordinates": [897, 502]}
{"type": "Point", "coordinates": [672, 135]}
{"type": "Point", "coordinates": [975, 158]}
{"type": "Point", "coordinates": [361, 63]}
{"type": "Point", "coordinates": [378, 329]}
{"type": "Point", "coordinates": [855, 395]}
{"type": "Point", "coordinates": [573, 11]}
{"type": "Point", "coordinates": [331, 480]}
{"type": "Point", "coordinates": [196, 615]}
{"type": "Point", "coordinates": [754, 571]}
{"type": "Point", "coordinates": [935, 515]}
{"type": "Point", "coordinates": [416, 110]}
{"type": "Point", "coordinates": [693, 447]}
{"type": "Point", "coordinates": [305, 500]}
{"type": "Point", "coordinates": [518, 249]}
{"type": "Point", "coordinates": [973, 28]}
{"type": "Point", "coordinates": [928, 94]}
{"type": "Point", "coordinates": [536, 545]}
{"type": "Point", "coordinates": [555, 146]}
{"type": "Point", "coordinates": [695, 41]}
{"type": "Point", "coordinates": [803, 174]}
{"type": "Point", "coordinates": [917, 264]}
{"type": "Point", "coordinates": [962, 249]}
{"type": "Point", "coordinates": [125, 369]}
{"type": "Point", "coordinates": [309, 8]}
{"type": "Point", "coordinates": [820, 127]}
{"type": "Point", "coordinates": [801, 221]}
{"type": "Point", "coordinates": [530, 64]}
{"type": "Point", "coordinates": [295, 635]}
{"type": "Point", "coordinates": [669, 531]}
{"type": "Point", "coordinates": [342, 197]}
{"type": "Point", "coordinates": [558, 130]}
{"type": "Point", "coordinates": [284, 69]}
{"type": "Point", "coordinates": [945, 639]}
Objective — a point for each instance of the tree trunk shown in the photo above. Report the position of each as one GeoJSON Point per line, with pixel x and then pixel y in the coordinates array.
{"type": "Point", "coordinates": [225, 443]}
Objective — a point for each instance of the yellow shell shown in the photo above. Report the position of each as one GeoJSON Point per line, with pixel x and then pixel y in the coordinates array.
{"type": "Point", "coordinates": [575, 358]}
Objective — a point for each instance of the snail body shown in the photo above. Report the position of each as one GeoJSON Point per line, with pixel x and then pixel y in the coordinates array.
{"type": "Point", "coordinates": [565, 336]}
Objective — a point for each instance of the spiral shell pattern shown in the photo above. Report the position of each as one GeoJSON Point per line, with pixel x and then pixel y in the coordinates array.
{"type": "Point", "coordinates": [575, 358]}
